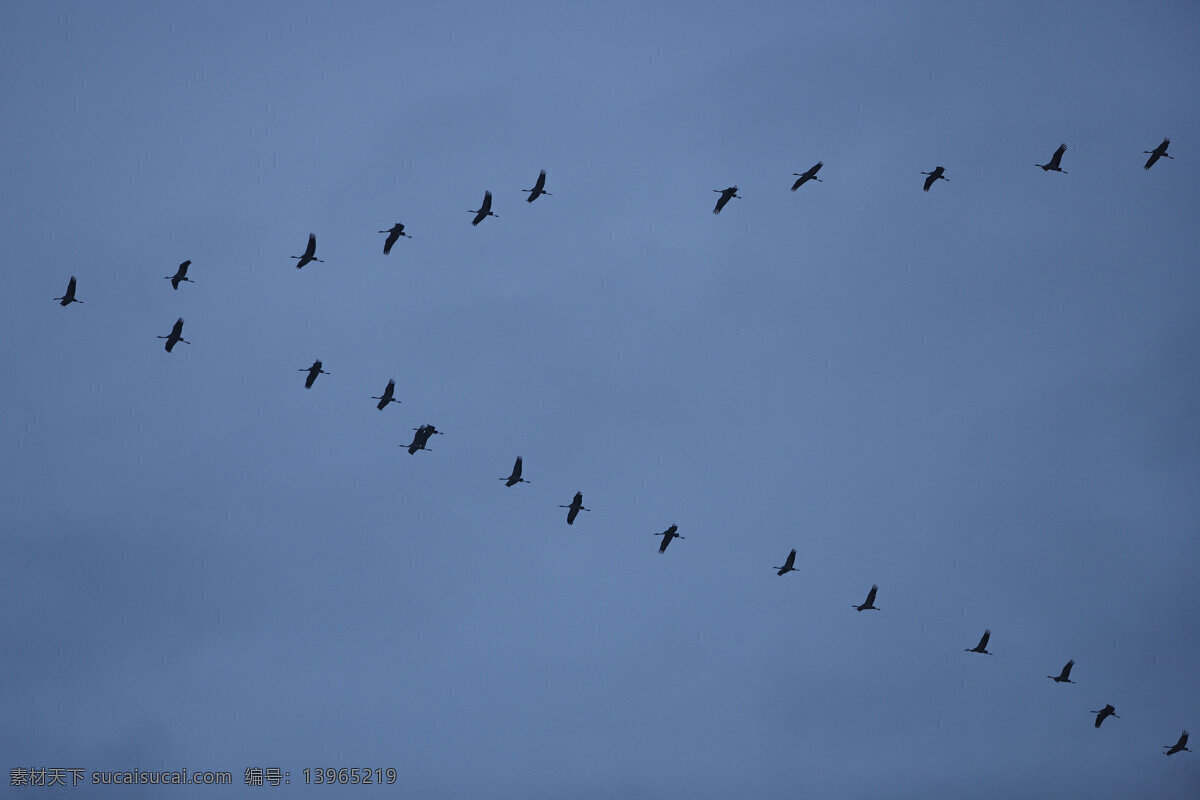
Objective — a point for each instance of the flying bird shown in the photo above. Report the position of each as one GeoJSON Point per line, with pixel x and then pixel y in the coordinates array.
{"type": "Point", "coordinates": [789, 565]}
{"type": "Point", "coordinates": [420, 438]}
{"type": "Point", "coordinates": [668, 535]}
{"type": "Point", "coordinates": [575, 507]}
{"type": "Point", "coordinates": [394, 233]}
{"type": "Point", "coordinates": [1172, 749]}
{"type": "Point", "coordinates": [1104, 713]}
{"type": "Point", "coordinates": [1155, 155]}
{"type": "Point", "coordinates": [515, 478]}
{"type": "Point", "coordinates": [810, 175]}
{"type": "Point", "coordinates": [538, 189]}
{"type": "Point", "coordinates": [1055, 160]}
{"type": "Point", "coordinates": [484, 210]}
{"type": "Point", "coordinates": [982, 646]}
{"type": "Point", "coordinates": [310, 252]}
{"type": "Point", "coordinates": [175, 336]}
{"type": "Point", "coordinates": [1065, 675]}
{"type": "Point", "coordinates": [870, 604]}
{"type": "Point", "coordinates": [180, 276]}
{"type": "Point", "coordinates": [386, 397]}
{"type": "Point", "coordinates": [939, 173]}
{"type": "Point", "coordinates": [69, 297]}
{"type": "Point", "coordinates": [724, 198]}
{"type": "Point", "coordinates": [313, 372]}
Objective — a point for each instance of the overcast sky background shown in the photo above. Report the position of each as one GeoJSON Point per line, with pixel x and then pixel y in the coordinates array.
{"type": "Point", "coordinates": [982, 398]}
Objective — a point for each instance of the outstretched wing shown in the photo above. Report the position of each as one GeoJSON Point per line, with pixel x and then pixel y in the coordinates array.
{"type": "Point", "coordinates": [1058, 154]}
{"type": "Point", "coordinates": [69, 297]}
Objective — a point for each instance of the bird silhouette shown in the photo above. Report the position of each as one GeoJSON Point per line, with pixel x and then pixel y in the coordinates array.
{"type": "Point", "coordinates": [310, 252]}
{"type": "Point", "coordinates": [938, 174]}
{"type": "Point", "coordinates": [982, 646]}
{"type": "Point", "coordinates": [789, 565]}
{"type": "Point", "coordinates": [668, 535]}
{"type": "Point", "coordinates": [538, 189]}
{"type": "Point", "coordinates": [1155, 155]}
{"type": "Point", "coordinates": [175, 336]}
{"type": "Point", "coordinates": [1055, 160]}
{"type": "Point", "coordinates": [1104, 713]}
{"type": "Point", "coordinates": [1065, 675]}
{"type": "Point", "coordinates": [69, 297]}
{"type": "Point", "coordinates": [313, 372]}
{"type": "Point", "coordinates": [810, 175]}
{"type": "Point", "coordinates": [180, 275]}
{"type": "Point", "coordinates": [870, 604]}
{"type": "Point", "coordinates": [1179, 746]}
{"type": "Point", "coordinates": [386, 397]}
{"type": "Point", "coordinates": [575, 507]}
{"type": "Point", "coordinates": [726, 194]}
{"type": "Point", "coordinates": [394, 233]}
{"type": "Point", "coordinates": [484, 210]}
{"type": "Point", "coordinates": [420, 438]}
{"type": "Point", "coordinates": [515, 477]}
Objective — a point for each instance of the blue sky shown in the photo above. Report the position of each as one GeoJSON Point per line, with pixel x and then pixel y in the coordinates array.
{"type": "Point", "coordinates": [981, 398]}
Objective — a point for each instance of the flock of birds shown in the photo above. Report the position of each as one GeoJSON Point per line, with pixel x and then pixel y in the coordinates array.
{"type": "Point", "coordinates": [422, 434]}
